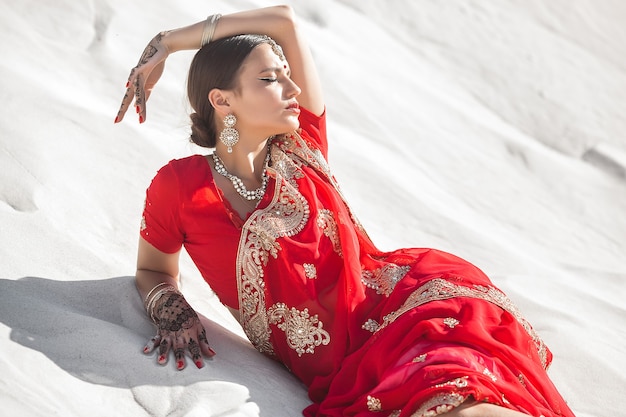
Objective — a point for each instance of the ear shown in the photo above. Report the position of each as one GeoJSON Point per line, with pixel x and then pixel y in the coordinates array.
{"type": "Point", "coordinates": [219, 99]}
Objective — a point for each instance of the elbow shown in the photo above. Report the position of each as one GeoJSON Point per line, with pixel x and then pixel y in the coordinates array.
{"type": "Point", "coordinates": [285, 13]}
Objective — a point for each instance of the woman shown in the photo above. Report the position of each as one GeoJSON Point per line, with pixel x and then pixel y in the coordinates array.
{"type": "Point", "coordinates": [414, 332]}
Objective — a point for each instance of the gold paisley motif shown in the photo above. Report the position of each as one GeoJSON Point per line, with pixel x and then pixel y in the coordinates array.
{"type": "Point", "coordinates": [304, 332]}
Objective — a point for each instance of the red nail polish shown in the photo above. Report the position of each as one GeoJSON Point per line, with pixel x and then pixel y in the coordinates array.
{"type": "Point", "coordinates": [117, 119]}
{"type": "Point", "coordinates": [146, 349]}
{"type": "Point", "coordinates": [212, 352]}
{"type": "Point", "coordinates": [180, 364]}
{"type": "Point", "coordinates": [140, 119]}
{"type": "Point", "coordinates": [137, 109]}
{"type": "Point", "coordinates": [162, 358]}
{"type": "Point", "coordinates": [199, 364]}
{"type": "Point", "coordinates": [127, 84]}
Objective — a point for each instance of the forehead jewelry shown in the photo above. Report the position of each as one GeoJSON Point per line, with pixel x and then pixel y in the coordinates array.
{"type": "Point", "coordinates": [276, 48]}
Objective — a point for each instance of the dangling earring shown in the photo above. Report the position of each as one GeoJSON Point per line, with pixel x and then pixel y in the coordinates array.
{"type": "Point", "coordinates": [229, 136]}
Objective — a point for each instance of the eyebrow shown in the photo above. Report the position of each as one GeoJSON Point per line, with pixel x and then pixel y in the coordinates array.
{"type": "Point", "coordinates": [275, 69]}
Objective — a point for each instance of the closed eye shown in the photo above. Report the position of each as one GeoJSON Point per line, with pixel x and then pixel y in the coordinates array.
{"type": "Point", "coordinates": [269, 79]}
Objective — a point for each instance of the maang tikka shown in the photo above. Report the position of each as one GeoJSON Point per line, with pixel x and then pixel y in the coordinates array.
{"type": "Point", "coordinates": [229, 136]}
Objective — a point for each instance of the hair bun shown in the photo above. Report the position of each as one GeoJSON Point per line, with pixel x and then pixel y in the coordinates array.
{"type": "Point", "coordinates": [201, 132]}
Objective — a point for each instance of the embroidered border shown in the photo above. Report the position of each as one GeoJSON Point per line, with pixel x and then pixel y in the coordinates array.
{"type": "Point", "coordinates": [383, 280]}
{"type": "Point", "coordinates": [286, 215]}
{"type": "Point", "coordinates": [439, 404]}
{"type": "Point", "coordinates": [440, 289]}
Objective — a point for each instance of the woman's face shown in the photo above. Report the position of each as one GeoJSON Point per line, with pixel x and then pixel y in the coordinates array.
{"type": "Point", "coordinates": [265, 100]}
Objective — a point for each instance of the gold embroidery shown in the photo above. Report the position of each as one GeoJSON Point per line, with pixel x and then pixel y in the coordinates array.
{"type": "Point", "coordinates": [370, 325]}
{"type": "Point", "coordinates": [420, 358]}
{"type": "Point", "coordinates": [373, 404]}
{"type": "Point", "coordinates": [289, 168]}
{"type": "Point", "coordinates": [310, 271]}
{"type": "Point", "coordinates": [286, 215]}
{"type": "Point", "coordinates": [458, 382]}
{"type": "Point", "coordinates": [304, 332]}
{"type": "Point", "coordinates": [326, 222]}
{"type": "Point", "coordinates": [439, 404]}
{"type": "Point", "coordinates": [395, 413]}
{"type": "Point", "coordinates": [294, 144]}
{"type": "Point", "coordinates": [383, 280]}
{"type": "Point", "coordinates": [490, 374]}
{"type": "Point", "coordinates": [451, 322]}
{"type": "Point", "coordinates": [440, 289]}
{"type": "Point", "coordinates": [143, 225]}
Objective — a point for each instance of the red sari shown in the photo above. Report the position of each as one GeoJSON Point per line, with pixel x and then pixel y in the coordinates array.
{"type": "Point", "coordinates": [414, 332]}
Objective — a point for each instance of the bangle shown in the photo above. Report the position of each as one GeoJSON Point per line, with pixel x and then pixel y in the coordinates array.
{"type": "Point", "coordinates": [145, 301]}
{"type": "Point", "coordinates": [155, 298]}
{"type": "Point", "coordinates": [209, 28]}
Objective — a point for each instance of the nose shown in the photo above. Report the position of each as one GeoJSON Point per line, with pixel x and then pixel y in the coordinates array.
{"type": "Point", "coordinates": [292, 89]}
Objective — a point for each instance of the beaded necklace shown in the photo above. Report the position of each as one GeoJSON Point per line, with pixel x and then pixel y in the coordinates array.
{"type": "Point", "coordinates": [238, 183]}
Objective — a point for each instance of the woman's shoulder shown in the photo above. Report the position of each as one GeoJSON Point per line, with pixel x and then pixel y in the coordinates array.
{"type": "Point", "coordinates": [188, 163]}
{"type": "Point", "coordinates": [181, 172]}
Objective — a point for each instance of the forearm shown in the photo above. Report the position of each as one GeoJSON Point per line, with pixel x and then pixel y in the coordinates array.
{"type": "Point", "coordinates": [276, 22]}
{"type": "Point", "coordinates": [146, 280]}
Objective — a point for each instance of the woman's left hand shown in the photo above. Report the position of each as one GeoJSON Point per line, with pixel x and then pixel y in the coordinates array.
{"type": "Point", "coordinates": [143, 77]}
{"type": "Point", "coordinates": [179, 331]}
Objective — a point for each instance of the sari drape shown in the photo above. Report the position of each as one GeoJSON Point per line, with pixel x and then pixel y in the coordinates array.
{"type": "Point", "coordinates": [412, 332]}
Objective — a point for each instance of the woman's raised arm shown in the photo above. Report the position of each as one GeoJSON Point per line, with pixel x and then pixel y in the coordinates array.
{"type": "Point", "coordinates": [278, 22]}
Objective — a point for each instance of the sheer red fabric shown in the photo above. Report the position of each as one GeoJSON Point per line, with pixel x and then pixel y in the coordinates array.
{"type": "Point", "coordinates": [413, 332]}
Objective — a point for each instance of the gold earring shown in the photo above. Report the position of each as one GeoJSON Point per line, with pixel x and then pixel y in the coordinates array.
{"type": "Point", "coordinates": [229, 136]}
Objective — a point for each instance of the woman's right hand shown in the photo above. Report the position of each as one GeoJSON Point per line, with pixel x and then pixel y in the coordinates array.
{"type": "Point", "coordinates": [143, 77]}
{"type": "Point", "coordinates": [179, 331]}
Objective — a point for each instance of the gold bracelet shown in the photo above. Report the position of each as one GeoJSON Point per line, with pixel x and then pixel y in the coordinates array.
{"type": "Point", "coordinates": [156, 297]}
{"type": "Point", "coordinates": [209, 28]}
{"type": "Point", "coordinates": [145, 301]}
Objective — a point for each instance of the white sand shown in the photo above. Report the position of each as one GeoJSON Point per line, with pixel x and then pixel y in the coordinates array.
{"type": "Point", "coordinates": [492, 129]}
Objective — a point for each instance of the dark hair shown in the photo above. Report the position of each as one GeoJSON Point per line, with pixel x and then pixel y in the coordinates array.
{"type": "Point", "coordinates": [215, 65]}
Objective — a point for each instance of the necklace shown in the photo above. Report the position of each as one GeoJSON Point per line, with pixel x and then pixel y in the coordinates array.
{"type": "Point", "coordinates": [238, 183]}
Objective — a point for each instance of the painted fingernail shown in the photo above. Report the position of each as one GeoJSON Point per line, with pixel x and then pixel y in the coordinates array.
{"type": "Point", "coordinates": [212, 352]}
{"type": "Point", "coordinates": [199, 364]}
{"type": "Point", "coordinates": [180, 364]}
{"type": "Point", "coordinates": [162, 358]}
{"type": "Point", "coordinates": [127, 84]}
{"type": "Point", "coordinates": [140, 119]}
{"type": "Point", "coordinates": [146, 349]}
{"type": "Point", "coordinates": [117, 119]}
{"type": "Point", "coordinates": [137, 109]}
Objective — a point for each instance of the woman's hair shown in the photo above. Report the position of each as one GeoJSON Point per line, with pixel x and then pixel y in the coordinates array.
{"type": "Point", "coordinates": [215, 65]}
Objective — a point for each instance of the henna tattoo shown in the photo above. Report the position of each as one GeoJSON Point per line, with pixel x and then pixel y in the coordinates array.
{"type": "Point", "coordinates": [194, 349]}
{"type": "Point", "coordinates": [202, 337]}
{"type": "Point", "coordinates": [163, 347]}
{"type": "Point", "coordinates": [179, 353]}
{"type": "Point", "coordinates": [176, 315]}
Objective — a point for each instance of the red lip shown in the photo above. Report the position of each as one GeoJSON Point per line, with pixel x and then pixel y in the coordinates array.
{"type": "Point", "coordinates": [293, 105]}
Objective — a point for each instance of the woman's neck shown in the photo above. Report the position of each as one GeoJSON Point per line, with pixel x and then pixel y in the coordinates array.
{"type": "Point", "coordinates": [246, 162]}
